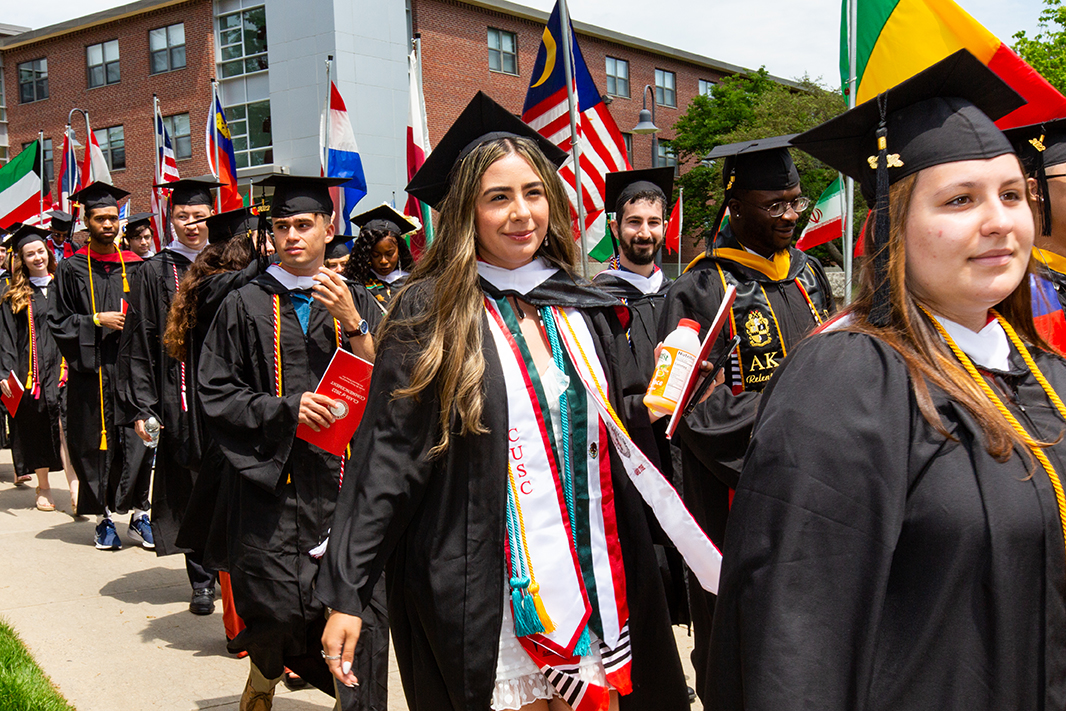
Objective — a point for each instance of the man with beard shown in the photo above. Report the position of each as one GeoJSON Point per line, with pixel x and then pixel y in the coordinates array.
{"type": "Point", "coordinates": [86, 314]}
{"type": "Point", "coordinates": [782, 294]}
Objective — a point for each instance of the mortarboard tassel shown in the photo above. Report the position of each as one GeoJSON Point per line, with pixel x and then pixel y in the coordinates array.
{"type": "Point", "coordinates": [881, 311]}
{"type": "Point", "coordinates": [1041, 181]}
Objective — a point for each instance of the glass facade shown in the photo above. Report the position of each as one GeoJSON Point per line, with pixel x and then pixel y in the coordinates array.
{"type": "Point", "coordinates": [243, 42]}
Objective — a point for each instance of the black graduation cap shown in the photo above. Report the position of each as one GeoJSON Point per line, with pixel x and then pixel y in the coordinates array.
{"type": "Point", "coordinates": [192, 191]}
{"type": "Point", "coordinates": [622, 185]}
{"type": "Point", "coordinates": [337, 248]}
{"type": "Point", "coordinates": [298, 194]}
{"type": "Point", "coordinates": [482, 120]}
{"type": "Point", "coordinates": [61, 221]}
{"type": "Point", "coordinates": [98, 195]}
{"type": "Point", "coordinates": [141, 218]}
{"type": "Point", "coordinates": [1041, 146]}
{"type": "Point", "coordinates": [943, 114]}
{"type": "Point", "coordinates": [226, 225]}
{"type": "Point", "coordinates": [24, 234]}
{"type": "Point", "coordinates": [385, 217]}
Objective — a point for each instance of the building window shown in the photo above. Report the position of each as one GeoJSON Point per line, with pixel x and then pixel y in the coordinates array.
{"type": "Point", "coordinates": [706, 87]}
{"type": "Point", "coordinates": [48, 170]}
{"type": "Point", "coordinates": [666, 156]}
{"type": "Point", "coordinates": [503, 51]}
{"type": "Point", "coordinates": [167, 47]}
{"type": "Point", "coordinates": [628, 138]}
{"type": "Point", "coordinates": [617, 77]}
{"type": "Point", "coordinates": [113, 145]}
{"type": "Point", "coordinates": [102, 62]}
{"type": "Point", "coordinates": [665, 88]}
{"type": "Point", "coordinates": [249, 127]}
{"type": "Point", "coordinates": [177, 127]}
{"type": "Point", "coordinates": [243, 41]}
{"type": "Point", "coordinates": [33, 80]}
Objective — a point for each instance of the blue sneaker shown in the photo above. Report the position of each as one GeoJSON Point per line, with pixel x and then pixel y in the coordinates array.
{"type": "Point", "coordinates": [141, 531]}
{"type": "Point", "coordinates": [106, 536]}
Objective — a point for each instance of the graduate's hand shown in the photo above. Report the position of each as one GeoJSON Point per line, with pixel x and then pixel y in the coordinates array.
{"type": "Point", "coordinates": [314, 411]}
{"type": "Point", "coordinates": [114, 320]}
{"type": "Point", "coordinates": [5, 388]}
{"type": "Point", "coordinates": [333, 293]}
{"type": "Point", "coordinates": [138, 427]}
{"type": "Point", "coordinates": [339, 640]}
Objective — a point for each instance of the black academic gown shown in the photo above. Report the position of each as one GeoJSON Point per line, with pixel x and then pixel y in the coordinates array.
{"type": "Point", "coordinates": [89, 350]}
{"type": "Point", "coordinates": [437, 526]}
{"type": "Point", "coordinates": [715, 436]}
{"type": "Point", "coordinates": [35, 427]}
{"type": "Point", "coordinates": [279, 491]}
{"type": "Point", "coordinates": [872, 563]}
{"type": "Point", "coordinates": [155, 385]}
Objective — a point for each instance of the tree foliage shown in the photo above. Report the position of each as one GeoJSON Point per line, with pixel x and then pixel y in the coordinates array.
{"type": "Point", "coordinates": [1046, 52]}
{"type": "Point", "coordinates": [749, 108]}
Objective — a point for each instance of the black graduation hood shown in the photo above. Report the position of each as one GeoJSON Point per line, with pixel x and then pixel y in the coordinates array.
{"type": "Point", "coordinates": [622, 185]}
{"type": "Point", "coordinates": [482, 120]}
{"type": "Point", "coordinates": [385, 217]}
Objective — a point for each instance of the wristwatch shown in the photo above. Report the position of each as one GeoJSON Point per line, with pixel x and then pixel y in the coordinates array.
{"type": "Point", "coordinates": [361, 330]}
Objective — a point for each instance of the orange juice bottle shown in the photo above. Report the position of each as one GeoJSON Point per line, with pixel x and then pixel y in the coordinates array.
{"type": "Point", "coordinates": [676, 361]}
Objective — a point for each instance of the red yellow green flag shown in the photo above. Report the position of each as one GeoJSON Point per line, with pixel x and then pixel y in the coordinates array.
{"type": "Point", "coordinates": [896, 39]}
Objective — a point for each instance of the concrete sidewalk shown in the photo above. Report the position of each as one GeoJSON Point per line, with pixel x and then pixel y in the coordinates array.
{"type": "Point", "coordinates": [113, 629]}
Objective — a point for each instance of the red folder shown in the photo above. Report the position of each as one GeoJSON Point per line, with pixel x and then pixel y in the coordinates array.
{"type": "Point", "coordinates": [346, 381]}
{"type": "Point", "coordinates": [12, 403]}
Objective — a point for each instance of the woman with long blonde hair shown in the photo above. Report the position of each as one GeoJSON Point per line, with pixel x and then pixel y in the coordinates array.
{"type": "Point", "coordinates": [516, 551]}
{"type": "Point", "coordinates": [897, 537]}
{"type": "Point", "coordinates": [28, 350]}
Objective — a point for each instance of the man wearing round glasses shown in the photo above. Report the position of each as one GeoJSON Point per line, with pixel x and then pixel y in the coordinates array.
{"type": "Point", "coordinates": [782, 294]}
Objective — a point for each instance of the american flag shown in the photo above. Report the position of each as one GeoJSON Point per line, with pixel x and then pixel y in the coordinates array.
{"type": "Point", "coordinates": [167, 173]}
{"type": "Point", "coordinates": [547, 110]}
{"type": "Point", "coordinates": [69, 178]}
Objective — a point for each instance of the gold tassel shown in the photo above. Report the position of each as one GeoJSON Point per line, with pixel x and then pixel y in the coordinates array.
{"type": "Point", "coordinates": [542, 613]}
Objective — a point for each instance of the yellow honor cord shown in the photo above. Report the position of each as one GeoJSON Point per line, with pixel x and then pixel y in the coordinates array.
{"type": "Point", "coordinates": [99, 370]}
{"type": "Point", "coordinates": [534, 587]}
{"type": "Point", "coordinates": [277, 344]}
{"type": "Point", "coordinates": [1056, 401]}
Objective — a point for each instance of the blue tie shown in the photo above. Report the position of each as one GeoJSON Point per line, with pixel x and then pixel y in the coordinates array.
{"type": "Point", "coordinates": [301, 301]}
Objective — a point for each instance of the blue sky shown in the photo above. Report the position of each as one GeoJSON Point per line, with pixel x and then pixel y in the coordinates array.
{"type": "Point", "coordinates": [790, 38]}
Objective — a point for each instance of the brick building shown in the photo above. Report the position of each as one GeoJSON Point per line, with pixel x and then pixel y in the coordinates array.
{"type": "Point", "coordinates": [110, 63]}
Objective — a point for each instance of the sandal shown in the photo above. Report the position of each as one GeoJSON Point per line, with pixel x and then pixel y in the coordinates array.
{"type": "Point", "coordinates": [21, 480]}
{"type": "Point", "coordinates": [48, 504]}
{"type": "Point", "coordinates": [292, 680]}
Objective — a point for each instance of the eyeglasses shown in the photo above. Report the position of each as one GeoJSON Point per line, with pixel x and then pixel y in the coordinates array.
{"type": "Point", "coordinates": [1057, 175]}
{"type": "Point", "coordinates": [778, 209]}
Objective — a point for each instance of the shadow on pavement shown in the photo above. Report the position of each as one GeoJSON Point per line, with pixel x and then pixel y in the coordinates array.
{"type": "Point", "coordinates": [204, 636]}
{"type": "Point", "coordinates": [282, 702]}
{"type": "Point", "coordinates": [154, 586]}
{"type": "Point", "coordinates": [75, 531]}
{"type": "Point", "coordinates": [16, 497]}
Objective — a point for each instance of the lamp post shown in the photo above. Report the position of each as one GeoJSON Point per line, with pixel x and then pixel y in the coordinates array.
{"type": "Point", "coordinates": [646, 124]}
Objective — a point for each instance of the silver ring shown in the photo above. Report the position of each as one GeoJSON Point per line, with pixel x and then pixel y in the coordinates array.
{"type": "Point", "coordinates": [326, 656]}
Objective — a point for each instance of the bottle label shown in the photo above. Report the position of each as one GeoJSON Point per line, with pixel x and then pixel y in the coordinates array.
{"type": "Point", "coordinates": [671, 372]}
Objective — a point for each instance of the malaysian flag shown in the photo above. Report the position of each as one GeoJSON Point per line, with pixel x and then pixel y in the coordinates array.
{"type": "Point", "coordinates": [547, 110]}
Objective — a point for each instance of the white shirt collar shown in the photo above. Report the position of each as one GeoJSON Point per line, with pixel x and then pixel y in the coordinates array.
{"type": "Point", "coordinates": [522, 280]}
{"type": "Point", "coordinates": [291, 282]}
{"type": "Point", "coordinates": [647, 285]}
{"type": "Point", "coordinates": [188, 253]}
{"type": "Point", "coordinates": [988, 348]}
{"type": "Point", "coordinates": [393, 276]}
{"type": "Point", "coordinates": [41, 281]}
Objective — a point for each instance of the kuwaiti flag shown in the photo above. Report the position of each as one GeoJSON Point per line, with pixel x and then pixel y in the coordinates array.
{"type": "Point", "coordinates": [343, 160]}
{"type": "Point", "coordinates": [548, 111]}
{"type": "Point", "coordinates": [94, 165]}
{"type": "Point", "coordinates": [827, 219]}
{"type": "Point", "coordinates": [20, 187]}
{"type": "Point", "coordinates": [898, 38]}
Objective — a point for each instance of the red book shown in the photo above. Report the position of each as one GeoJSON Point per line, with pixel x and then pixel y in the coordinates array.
{"type": "Point", "coordinates": [12, 403]}
{"type": "Point", "coordinates": [346, 381]}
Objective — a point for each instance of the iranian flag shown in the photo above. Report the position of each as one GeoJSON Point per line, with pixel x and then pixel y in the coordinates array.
{"type": "Point", "coordinates": [20, 187]}
{"type": "Point", "coordinates": [673, 226]}
{"type": "Point", "coordinates": [827, 220]}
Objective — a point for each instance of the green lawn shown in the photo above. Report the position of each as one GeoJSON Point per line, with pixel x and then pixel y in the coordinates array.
{"type": "Point", "coordinates": [23, 686]}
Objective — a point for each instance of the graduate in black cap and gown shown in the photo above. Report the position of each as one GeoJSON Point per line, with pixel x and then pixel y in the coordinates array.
{"type": "Point", "coordinates": [482, 398]}
{"type": "Point", "coordinates": [896, 540]}
{"type": "Point", "coordinates": [86, 314]}
{"type": "Point", "coordinates": [381, 259]}
{"type": "Point", "coordinates": [155, 385]}
{"type": "Point", "coordinates": [263, 356]}
{"type": "Point", "coordinates": [28, 350]}
{"type": "Point", "coordinates": [782, 295]}
{"type": "Point", "coordinates": [138, 237]}
{"type": "Point", "coordinates": [59, 235]}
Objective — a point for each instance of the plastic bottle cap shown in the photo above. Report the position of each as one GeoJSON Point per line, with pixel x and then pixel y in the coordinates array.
{"type": "Point", "coordinates": [689, 323]}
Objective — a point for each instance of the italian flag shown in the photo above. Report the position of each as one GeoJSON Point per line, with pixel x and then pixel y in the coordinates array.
{"type": "Point", "coordinates": [896, 39]}
{"type": "Point", "coordinates": [827, 219]}
{"type": "Point", "coordinates": [20, 187]}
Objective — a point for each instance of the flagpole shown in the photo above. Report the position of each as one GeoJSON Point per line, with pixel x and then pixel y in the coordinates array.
{"type": "Point", "coordinates": [40, 212]}
{"type": "Point", "coordinates": [329, 116]}
{"type": "Point", "coordinates": [849, 183]}
{"type": "Point", "coordinates": [575, 149]}
{"type": "Point", "coordinates": [214, 136]}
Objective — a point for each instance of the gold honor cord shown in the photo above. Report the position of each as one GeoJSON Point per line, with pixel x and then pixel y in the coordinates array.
{"type": "Point", "coordinates": [100, 368]}
{"type": "Point", "coordinates": [1034, 446]}
{"type": "Point", "coordinates": [534, 587]}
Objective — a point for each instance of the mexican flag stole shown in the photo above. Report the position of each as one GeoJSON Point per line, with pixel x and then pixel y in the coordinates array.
{"type": "Point", "coordinates": [564, 559]}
